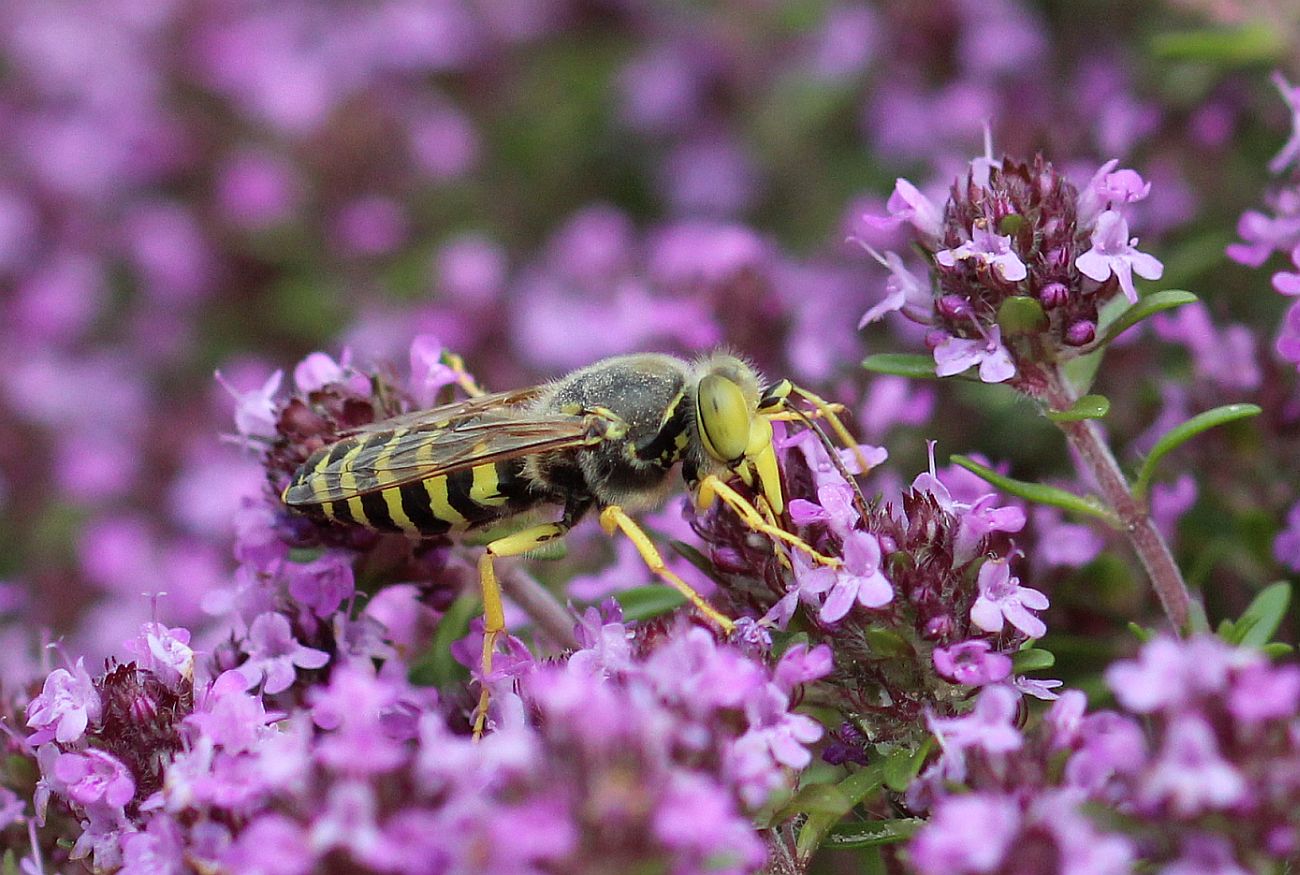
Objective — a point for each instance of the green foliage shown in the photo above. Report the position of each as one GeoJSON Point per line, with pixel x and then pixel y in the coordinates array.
{"type": "Point", "coordinates": [1038, 492]}
{"type": "Point", "coordinates": [1032, 659]}
{"type": "Point", "coordinates": [833, 803]}
{"type": "Point", "coordinates": [1022, 315]}
{"type": "Point", "coordinates": [437, 667]}
{"type": "Point", "coordinates": [1145, 308]}
{"type": "Point", "coordinates": [1087, 407]}
{"type": "Point", "coordinates": [646, 602]}
{"type": "Point", "coordinates": [899, 364]}
{"type": "Point", "coordinates": [1181, 434]}
{"type": "Point", "coordinates": [1261, 619]}
{"type": "Point", "coordinates": [873, 833]}
{"type": "Point", "coordinates": [1255, 44]}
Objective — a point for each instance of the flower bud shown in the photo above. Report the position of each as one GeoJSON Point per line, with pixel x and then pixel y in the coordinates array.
{"type": "Point", "coordinates": [1081, 333]}
{"type": "Point", "coordinates": [954, 307]}
{"type": "Point", "coordinates": [1053, 295]}
{"type": "Point", "coordinates": [937, 627]}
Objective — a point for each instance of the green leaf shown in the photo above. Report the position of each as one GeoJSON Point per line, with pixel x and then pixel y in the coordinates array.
{"type": "Point", "coordinates": [903, 765]}
{"type": "Point", "coordinates": [1021, 314]}
{"type": "Point", "coordinates": [887, 642]}
{"type": "Point", "coordinates": [1248, 45]}
{"type": "Point", "coordinates": [1141, 633]}
{"type": "Point", "coordinates": [696, 558]}
{"type": "Point", "coordinates": [1276, 649]}
{"type": "Point", "coordinates": [1087, 407]}
{"type": "Point", "coordinates": [899, 364]}
{"type": "Point", "coordinates": [1181, 434]}
{"type": "Point", "coordinates": [1038, 492]}
{"type": "Point", "coordinates": [1032, 659]}
{"type": "Point", "coordinates": [644, 602]}
{"type": "Point", "coordinates": [873, 833]}
{"type": "Point", "coordinates": [816, 799]}
{"type": "Point", "coordinates": [852, 790]}
{"type": "Point", "coordinates": [1146, 307]}
{"type": "Point", "coordinates": [436, 666]}
{"type": "Point", "coordinates": [1262, 616]}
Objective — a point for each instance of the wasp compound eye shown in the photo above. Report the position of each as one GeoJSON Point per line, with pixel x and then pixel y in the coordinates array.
{"type": "Point", "coordinates": [723, 417]}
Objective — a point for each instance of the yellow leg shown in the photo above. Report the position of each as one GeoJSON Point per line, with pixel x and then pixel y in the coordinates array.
{"type": "Point", "coordinates": [712, 487]}
{"type": "Point", "coordinates": [613, 519]}
{"type": "Point", "coordinates": [494, 617]}
{"type": "Point", "coordinates": [827, 411]}
{"type": "Point", "coordinates": [463, 379]}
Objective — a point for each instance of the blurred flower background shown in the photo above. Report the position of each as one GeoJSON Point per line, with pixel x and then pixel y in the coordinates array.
{"type": "Point", "coordinates": [199, 186]}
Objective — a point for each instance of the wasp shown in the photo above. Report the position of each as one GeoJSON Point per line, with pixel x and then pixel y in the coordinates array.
{"type": "Point", "coordinates": [606, 437]}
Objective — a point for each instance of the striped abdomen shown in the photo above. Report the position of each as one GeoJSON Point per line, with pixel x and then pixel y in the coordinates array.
{"type": "Point", "coordinates": [434, 506]}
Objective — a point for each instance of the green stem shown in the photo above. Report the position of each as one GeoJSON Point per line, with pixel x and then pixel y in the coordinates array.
{"type": "Point", "coordinates": [1134, 517]}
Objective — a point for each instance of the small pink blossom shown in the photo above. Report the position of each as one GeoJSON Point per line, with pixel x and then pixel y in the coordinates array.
{"type": "Point", "coordinates": [973, 663]}
{"type": "Point", "coordinates": [955, 354]}
{"type": "Point", "coordinates": [274, 654]}
{"type": "Point", "coordinates": [989, 249]}
{"type": "Point", "coordinates": [95, 776]}
{"type": "Point", "coordinates": [255, 409]}
{"type": "Point", "coordinates": [68, 703]}
{"type": "Point", "coordinates": [1114, 252]}
{"type": "Point", "coordinates": [908, 204]}
{"type": "Point", "coordinates": [860, 580]}
{"type": "Point", "coordinates": [1003, 598]}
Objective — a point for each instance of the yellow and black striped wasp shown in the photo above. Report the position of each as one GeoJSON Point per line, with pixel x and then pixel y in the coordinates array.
{"type": "Point", "coordinates": [606, 436]}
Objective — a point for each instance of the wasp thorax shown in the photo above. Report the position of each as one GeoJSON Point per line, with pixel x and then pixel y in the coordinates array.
{"type": "Point", "coordinates": [723, 415]}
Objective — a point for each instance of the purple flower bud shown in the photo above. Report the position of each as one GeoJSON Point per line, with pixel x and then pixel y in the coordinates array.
{"type": "Point", "coordinates": [1081, 333]}
{"type": "Point", "coordinates": [954, 307]}
{"type": "Point", "coordinates": [1053, 295]}
{"type": "Point", "coordinates": [937, 628]}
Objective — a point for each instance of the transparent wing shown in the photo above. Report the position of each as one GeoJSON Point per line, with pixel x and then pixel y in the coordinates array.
{"type": "Point", "coordinates": [428, 445]}
{"type": "Point", "coordinates": [449, 414]}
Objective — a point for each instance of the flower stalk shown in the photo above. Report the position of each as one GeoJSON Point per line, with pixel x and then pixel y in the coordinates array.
{"type": "Point", "coordinates": [1094, 457]}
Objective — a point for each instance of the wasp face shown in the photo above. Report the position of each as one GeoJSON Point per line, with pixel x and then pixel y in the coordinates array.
{"type": "Point", "coordinates": [733, 430]}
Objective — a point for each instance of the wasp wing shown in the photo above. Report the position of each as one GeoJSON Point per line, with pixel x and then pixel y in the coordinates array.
{"type": "Point", "coordinates": [430, 446]}
{"type": "Point", "coordinates": [448, 414]}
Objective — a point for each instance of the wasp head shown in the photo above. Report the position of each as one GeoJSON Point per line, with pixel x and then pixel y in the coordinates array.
{"type": "Point", "coordinates": [731, 420]}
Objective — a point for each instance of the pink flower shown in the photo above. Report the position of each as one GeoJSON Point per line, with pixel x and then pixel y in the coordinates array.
{"type": "Point", "coordinates": [255, 409]}
{"type": "Point", "coordinates": [1003, 598]}
{"type": "Point", "coordinates": [860, 580]}
{"type": "Point", "coordinates": [955, 354]}
{"type": "Point", "coordinates": [1114, 252]}
{"type": "Point", "coordinates": [68, 703]}
{"type": "Point", "coordinates": [1291, 150]}
{"type": "Point", "coordinates": [908, 204]}
{"type": "Point", "coordinates": [971, 662]}
{"type": "Point", "coordinates": [95, 776]}
{"type": "Point", "coordinates": [987, 248]}
{"type": "Point", "coordinates": [274, 654]}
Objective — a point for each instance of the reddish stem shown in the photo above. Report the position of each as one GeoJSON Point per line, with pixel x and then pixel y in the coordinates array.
{"type": "Point", "coordinates": [1094, 454]}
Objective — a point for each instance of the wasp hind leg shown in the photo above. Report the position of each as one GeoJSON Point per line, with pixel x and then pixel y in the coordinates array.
{"type": "Point", "coordinates": [494, 618]}
{"type": "Point", "coordinates": [614, 519]}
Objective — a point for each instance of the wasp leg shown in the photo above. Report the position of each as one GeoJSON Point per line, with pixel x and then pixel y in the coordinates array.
{"type": "Point", "coordinates": [494, 618]}
{"type": "Point", "coordinates": [463, 379]}
{"type": "Point", "coordinates": [712, 487]}
{"type": "Point", "coordinates": [613, 519]}
{"type": "Point", "coordinates": [827, 411]}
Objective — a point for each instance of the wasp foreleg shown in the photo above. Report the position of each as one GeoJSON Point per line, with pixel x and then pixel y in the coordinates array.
{"type": "Point", "coordinates": [614, 519]}
{"type": "Point", "coordinates": [712, 487]}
